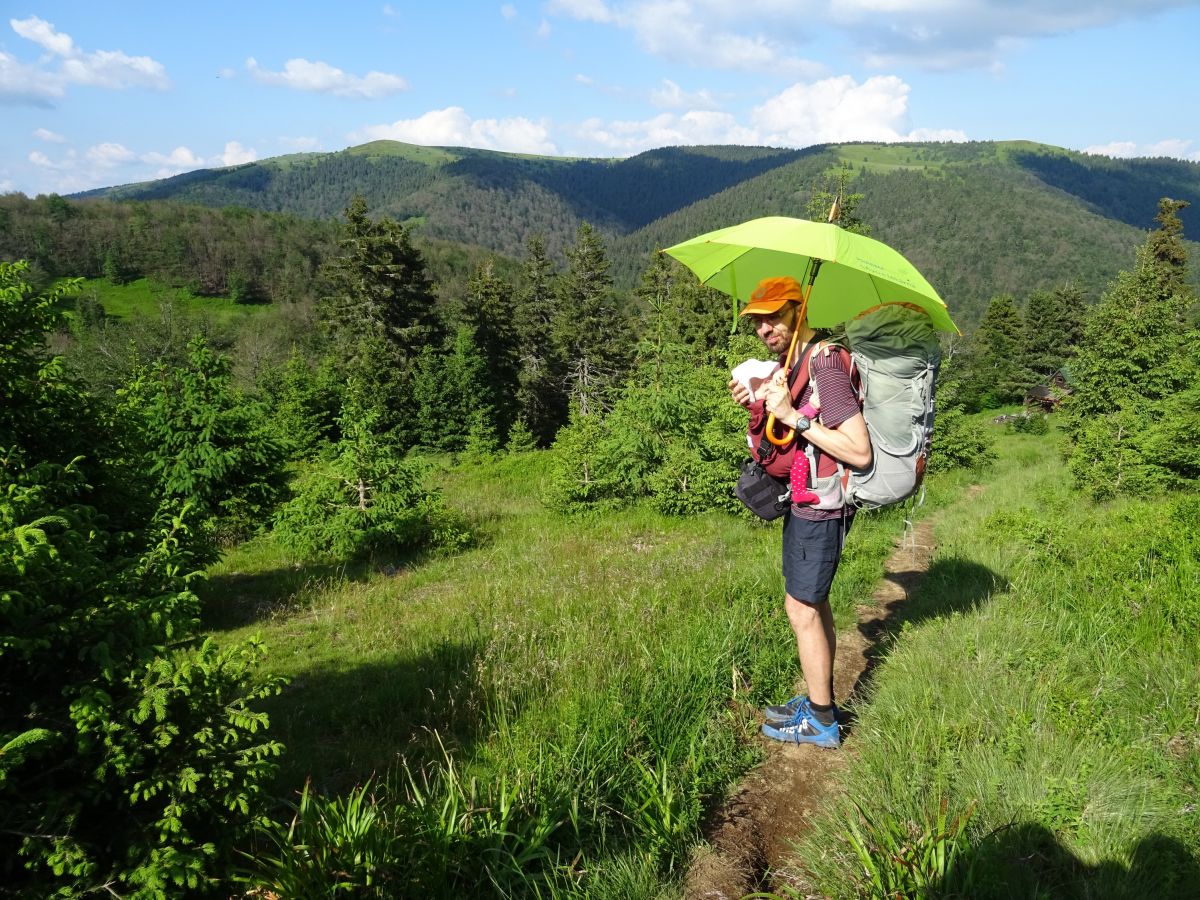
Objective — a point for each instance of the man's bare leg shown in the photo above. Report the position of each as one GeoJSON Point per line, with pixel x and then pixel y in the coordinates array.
{"type": "Point", "coordinates": [816, 643]}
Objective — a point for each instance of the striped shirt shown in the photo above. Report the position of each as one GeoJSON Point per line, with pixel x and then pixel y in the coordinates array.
{"type": "Point", "coordinates": [839, 403]}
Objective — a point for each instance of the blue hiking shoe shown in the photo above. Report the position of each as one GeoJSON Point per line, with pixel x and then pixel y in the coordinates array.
{"type": "Point", "coordinates": [803, 728]}
{"type": "Point", "coordinates": [785, 712]}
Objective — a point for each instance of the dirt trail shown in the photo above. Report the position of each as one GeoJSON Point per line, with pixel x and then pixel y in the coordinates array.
{"type": "Point", "coordinates": [752, 833]}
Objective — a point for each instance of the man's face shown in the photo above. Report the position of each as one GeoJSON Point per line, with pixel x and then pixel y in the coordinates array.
{"type": "Point", "coordinates": [773, 330]}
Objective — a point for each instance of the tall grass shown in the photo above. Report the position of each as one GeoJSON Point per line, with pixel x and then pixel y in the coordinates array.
{"type": "Point", "coordinates": [555, 708]}
{"type": "Point", "coordinates": [1056, 692]}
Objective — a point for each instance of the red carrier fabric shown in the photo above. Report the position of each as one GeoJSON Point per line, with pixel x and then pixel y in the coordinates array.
{"type": "Point", "coordinates": [775, 460]}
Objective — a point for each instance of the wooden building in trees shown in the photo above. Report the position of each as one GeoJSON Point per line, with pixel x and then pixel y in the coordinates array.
{"type": "Point", "coordinates": [1049, 394]}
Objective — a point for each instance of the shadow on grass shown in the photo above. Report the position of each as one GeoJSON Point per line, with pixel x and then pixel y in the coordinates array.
{"type": "Point", "coordinates": [343, 725]}
{"type": "Point", "coordinates": [1028, 860]}
{"type": "Point", "coordinates": [947, 586]}
{"type": "Point", "coordinates": [238, 599]}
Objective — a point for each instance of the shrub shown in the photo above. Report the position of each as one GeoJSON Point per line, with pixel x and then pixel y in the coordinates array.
{"type": "Point", "coordinates": [364, 499]}
{"type": "Point", "coordinates": [131, 758]}
{"type": "Point", "coordinates": [673, 437]}
{"type": "Point", "coordinates": [206, 445]}
{"type": "Point", "coordinates": [1030, 423]}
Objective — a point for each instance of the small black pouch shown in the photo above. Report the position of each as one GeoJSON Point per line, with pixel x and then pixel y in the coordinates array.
{"type": "Point", "coordinates": [764, 495]}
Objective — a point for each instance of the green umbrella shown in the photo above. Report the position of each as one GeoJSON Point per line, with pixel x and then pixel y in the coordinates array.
{"type": "Point", "coordinates": [856, 273]}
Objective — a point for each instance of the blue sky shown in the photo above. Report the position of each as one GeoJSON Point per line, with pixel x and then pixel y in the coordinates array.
{"type": "Point", "coordinates": [108, 93]}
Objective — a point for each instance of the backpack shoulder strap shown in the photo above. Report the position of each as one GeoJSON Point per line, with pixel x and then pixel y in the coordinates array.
{"type": "Point", "coordinates": [847, 360]}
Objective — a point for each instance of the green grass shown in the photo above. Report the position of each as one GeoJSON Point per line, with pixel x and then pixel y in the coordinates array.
{"type": "Point", "coordinates": [1048, 673]}
{"type": "Point", "coordinates": [883, 158]}
{"type": "Point", "coordinates": [144, 296]}
{"type": "Point", "coordinates": [616, 658]}
{"type": "Point", "coordinates": [430, 156]}
{"type": "Point", "coordinates": [552, 711]}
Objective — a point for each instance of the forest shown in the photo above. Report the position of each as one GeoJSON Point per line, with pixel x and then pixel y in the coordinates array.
{"type": "Point", "coordinates": [371, 584]}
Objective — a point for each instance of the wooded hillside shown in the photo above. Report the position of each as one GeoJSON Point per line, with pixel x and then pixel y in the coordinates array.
{"type": "Point", "coordinates": [978, 218]}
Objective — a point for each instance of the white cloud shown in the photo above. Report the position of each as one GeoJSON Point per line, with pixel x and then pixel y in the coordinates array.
{"type": "Point", "coordinates": [715, 36]}
{"type": "Point", "coordinates": [48, 78]}
{"type": "Point", "coordinates": [703, 32]}
{"type": "Point", "coordinates": [43, 34]}
{"type": "Point", "coordinates": [835, 109]}
{"type": "Point", "coordinates": [320, 77]}
{"type": "Point", "coordinates": [20, 83]}
{"type": "Point", "coordinates": [113, 69]}
{"type": "Point", "coordinates": [543, 30]}
{"type": "Point", "coordinates": [181, 159]}
{"type": "Point", "coordinates": [50, 137]}
{"type": "Point", "coordinates": [672, 96]}
{"type": "Point", "coordinates": [113, 163]}
{"type": "Point", "coordinates": [625, 138]}
{"type": "Point", "coordinates": [585, 10]}
{"type": "Point", "coordinates": [768, 35]}
{"type": "Point", "coordinates": [109, 155]}
{"type": "Point", "coordinates": [508, 11]}
{"type": "Point", "coordinates": [953, 135]}
{"type": "Point", "coordinates": [453, 127]}
{"type": "Point", "coordinates": [235, 154]}
{"type": "Point", "coordinates": [1175, 148]}
{"type": "Point", "coordinates": [832, 110]}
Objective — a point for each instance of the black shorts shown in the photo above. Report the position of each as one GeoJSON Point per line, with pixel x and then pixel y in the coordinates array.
{"type": "Point", "coordinates": [811, 553]}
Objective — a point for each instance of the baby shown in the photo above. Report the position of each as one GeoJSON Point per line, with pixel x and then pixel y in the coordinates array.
{"type": "Point", "coordinates": [756, 375]}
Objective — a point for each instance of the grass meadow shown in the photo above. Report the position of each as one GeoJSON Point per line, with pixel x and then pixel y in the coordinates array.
{"type": "Point", "coordinates": [1054, 716]}
{"type": "Point", "coordinates": [144, 296]}
{"type": "Point", "coordinates": [596, 677]}
{"type": "Point", "coordinates": [550, 712]}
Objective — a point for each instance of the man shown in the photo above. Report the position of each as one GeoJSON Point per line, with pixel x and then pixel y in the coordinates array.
{"type": "Point", "coordinates": [812, 537]}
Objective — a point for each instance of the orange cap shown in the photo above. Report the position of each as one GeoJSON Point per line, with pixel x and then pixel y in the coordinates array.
{"type": "Point", "coordinates": [771, 294]}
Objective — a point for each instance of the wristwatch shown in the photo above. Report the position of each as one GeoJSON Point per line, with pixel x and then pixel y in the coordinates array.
{"type": "Point", "coordinates": [802, 423]}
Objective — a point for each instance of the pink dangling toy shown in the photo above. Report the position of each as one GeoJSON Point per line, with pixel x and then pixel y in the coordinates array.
{"type": "Point", "coordinates": [798, 476]}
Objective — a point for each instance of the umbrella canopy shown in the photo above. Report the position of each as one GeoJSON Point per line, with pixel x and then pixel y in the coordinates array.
{"type": "Point", "coordinates": [856, 273]}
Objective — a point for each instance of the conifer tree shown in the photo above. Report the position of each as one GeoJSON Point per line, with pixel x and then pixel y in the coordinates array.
{"type": "Point", "coordinates": [453, 397]}
{"type": "Point", "coordinates": [378, 287]}
{"type": "Point", "coordinates": [379, 313]}
{"type": "Point", "coordinates": [1053, 328]}
{"type": "Point", "coordinates": [364, 498]}
{"type": "Point", "coordinates": [1132, 416]}
{"type": "Point", "coordinates": [490, 312]}
{"type": "Point", "coordinates": [1165, 244]}
{"type": "Point", "coordinates": [591, 328]}
{"type": "Point", "coordinates": [132, 757]}
{"type": "Point", "coordinates": [831, 190]}
{"type": "Point", "coordinates": [1133, 336]}
{"type": "Point", "coordinates": [205, 444]}
{"type": "Point", "coordinates": [680, 311]}
{"type": "Point", "coordinates": [542, 396]}
{"type": "Point", "coordinates": [997, 369]}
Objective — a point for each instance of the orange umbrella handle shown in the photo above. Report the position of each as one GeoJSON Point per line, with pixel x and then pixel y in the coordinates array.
{"type": "Point", "coordinates": [789, 434]}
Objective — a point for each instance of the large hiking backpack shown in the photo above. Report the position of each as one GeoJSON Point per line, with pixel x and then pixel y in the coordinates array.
{"type": "Point", "coordinates": [895, 350]}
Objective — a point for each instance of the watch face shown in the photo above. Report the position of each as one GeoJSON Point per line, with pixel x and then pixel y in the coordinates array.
{"type": "Point", "coordinates": [802, 423]}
